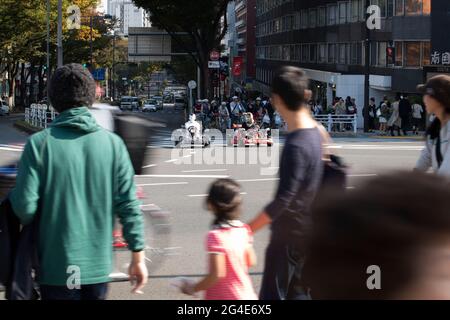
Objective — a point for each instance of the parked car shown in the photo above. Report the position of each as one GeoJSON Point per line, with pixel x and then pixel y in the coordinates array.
{"type": "Point", "coordinates": [159, 100]}
{"type": "Point", "coordinates": [150, 105]}
{"type": "Point", "coordinates": [4, 108]}
{"type": "Point", "coordinates": [168, 101]}
{"type": "Point", "coordinates": [180, 102]}
{"type": "Point", "coordinates": [129, 103]}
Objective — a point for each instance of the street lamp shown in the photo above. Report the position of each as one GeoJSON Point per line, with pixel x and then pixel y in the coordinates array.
{"type": "Point", "coordinates": [48, 46]}
{"type": "Point", "coordinates": [59, 40]}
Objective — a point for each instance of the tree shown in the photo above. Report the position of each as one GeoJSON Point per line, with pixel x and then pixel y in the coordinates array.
{"type": "Point", "coordinates": [23, 35]}
{"type": "Point", "coordinates": [201, 20]}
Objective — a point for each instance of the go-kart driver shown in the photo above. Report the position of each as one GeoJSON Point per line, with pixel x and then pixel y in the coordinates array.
{"type": "Point", "coordinates": [193, 123]}
{"type": "Point", "coordinates": [224, 115]}
{"type": "Point", "coordinates": [249, 122]}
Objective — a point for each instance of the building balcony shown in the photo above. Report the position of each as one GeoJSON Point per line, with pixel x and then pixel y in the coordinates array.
{"type": "Point", "coordinates": [239, 23]}
{"type": "Point", "coordinates": [241, 5]}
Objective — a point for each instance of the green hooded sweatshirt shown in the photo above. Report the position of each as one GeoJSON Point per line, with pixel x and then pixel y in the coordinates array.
{"type": "Point", "coordinates": [82, 177]}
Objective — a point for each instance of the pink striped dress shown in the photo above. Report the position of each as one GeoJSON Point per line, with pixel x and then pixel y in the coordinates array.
{"type": "Point", "coordinates": [233, 242]}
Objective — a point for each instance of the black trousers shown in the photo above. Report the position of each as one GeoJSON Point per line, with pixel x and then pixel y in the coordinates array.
{"type": "Point", "coordinates": [405, 124]}
{"type": "Point", "coordinates": [86, 292]}
{"type": "Point", "coordinates": [282, 279]}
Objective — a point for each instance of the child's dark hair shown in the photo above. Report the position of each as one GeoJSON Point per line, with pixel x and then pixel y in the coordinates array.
{"type": "Point", "coordinates": [225, 198]}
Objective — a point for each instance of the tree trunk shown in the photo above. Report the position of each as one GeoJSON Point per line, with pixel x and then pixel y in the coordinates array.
{"type": "Point", "coordinates": [204, 77]}
{"type": "Point", "coordinates": [23, 86]}
{"type": "Point", "coordinates": [41, 83]}
{"type": "Point", "coordinates": [31, 97]}
{"type": "Point", "coordinates": [12, 73]}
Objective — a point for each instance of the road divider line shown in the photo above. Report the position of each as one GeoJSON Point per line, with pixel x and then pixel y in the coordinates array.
{"type": "Point", "coordinates": [362, 175]}
{"type": "Point", "coordinates": [205, 170]}
{"type": "Point", "coordinates": [258, 180]}
{"type": "Point", "coordinates": [161, 184]}
{"type": "Point", "coordinates": [182, 176]}
{"type": "Point", "coordinates": [173, 160]}
{"type": "Point", "coordinates": [149, 166]}
{"type": "Point", "coordinates": [11, 149]}
{"type": "Point", "coordinates": [205, 195]}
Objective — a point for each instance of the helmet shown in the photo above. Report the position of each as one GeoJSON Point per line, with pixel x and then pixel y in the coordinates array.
{"type": "Point", "coordinates": [192, 117]}
{"type": "Point", "coordinates": [235, 97]}
{"type": "Point", "coordinates": [214, 102]}
{"type": "Point", "coordinates": [224, 103]}
{"type": "Point", "coordinates": [206, 101]}
{"type": "Point", "coordinates": [258, 99]}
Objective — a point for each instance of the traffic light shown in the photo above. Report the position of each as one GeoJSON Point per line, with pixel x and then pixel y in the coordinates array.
{"type": "Point", "coordinates": [390, 55]}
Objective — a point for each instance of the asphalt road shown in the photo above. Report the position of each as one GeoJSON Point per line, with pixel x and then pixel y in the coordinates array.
{"type": "Point", "coordinates": [177, 181]}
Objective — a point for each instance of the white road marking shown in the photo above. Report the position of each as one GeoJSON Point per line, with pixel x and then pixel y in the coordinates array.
{"type": "Point", "coordinates": [350, 188]}
{"type": "Point", "coordinates": [181, 176]}
{"type": "Point", "coordinates": [10, 149]}
{"type": "Point", "coordinates": [205, 195]}
{"type": "Point", "coordinates": [258, 180]}
{"type": "Point", "coordinates": [173, 160]}
{"type": "Point", "coordinates": [376, 147]}
{"type": "Point", "coordinates": [148, 205]}
{"type": "Point", "coordinates": [161, 184]}
{"type": "Point", "coordinates": [362, 175]}
{"type": "Point", "coordinates": [206, 170]}
{"type": "Point", "coordinates": [149, 166]}
{"type": "Point", "coordinates": [187, 156]}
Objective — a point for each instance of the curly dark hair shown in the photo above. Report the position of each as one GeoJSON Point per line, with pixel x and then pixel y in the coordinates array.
{"type": "Point", "coordinates": [386, 222]}
{"type": "Point", "coordinates": [71, 86]}
{"type": "Point", "coordinates": [225, 199]}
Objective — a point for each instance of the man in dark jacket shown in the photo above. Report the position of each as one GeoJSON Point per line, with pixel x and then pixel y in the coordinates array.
{"type": "Point", "coordinates": [405, 113]}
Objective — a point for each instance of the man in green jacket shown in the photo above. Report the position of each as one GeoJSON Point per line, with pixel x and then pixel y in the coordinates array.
{"type": "Point", "coordinates": [81, 177]}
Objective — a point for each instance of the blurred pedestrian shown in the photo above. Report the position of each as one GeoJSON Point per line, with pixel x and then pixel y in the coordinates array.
{"type": "Point", "coordinates": [340, 111]}
{"type": "Point", "coordinates": [417, 112]}
{"type": "Point", "coordinates": [351, 110]}
{"type": "Point", "coordinates": [301, 170]}
{"type": "Point", "coordinates": [395, 122]}
{"type": "Point", "coordinates": [79, 176]}
{"type": "Point", "coordinates": [436, 155]}
{"type": "Point", "coordinates": [385, 114]}
{"type": "Point", "coordinates": [382, 241]}
{"type": "Point", "coordinates": [230, 248]}
{"type": "Point", "coordinates": [405, 113]}
{"type": "Point", "coordinates": [371, 114]}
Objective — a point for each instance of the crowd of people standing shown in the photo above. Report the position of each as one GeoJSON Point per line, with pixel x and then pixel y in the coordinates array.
{"type": "Point", "coordinates": [399, 116]}
{"type": "Point", "coordinates": [222, 114]}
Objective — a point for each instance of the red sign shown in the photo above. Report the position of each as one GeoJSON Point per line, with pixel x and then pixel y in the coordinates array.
{"type": "Point", "coordinates": [214, 55]}
{"type": "Point", "coordinates": [237, 66]}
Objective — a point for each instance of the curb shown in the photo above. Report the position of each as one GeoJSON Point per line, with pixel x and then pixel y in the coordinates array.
{"type": "Point", "coordinates": [25, 127]}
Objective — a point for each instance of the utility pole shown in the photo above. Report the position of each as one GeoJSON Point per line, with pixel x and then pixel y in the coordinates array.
{"type": "Point", "coordinates": [91, 43]}
{"type": "Point", "coordinates": [59, 41]}
{"type": "Point", "coordinates": [48, 47]}
{"type": "Point", "coordinates": [113, 87]}
{"type": "Point", "coordinates": [367, 70]}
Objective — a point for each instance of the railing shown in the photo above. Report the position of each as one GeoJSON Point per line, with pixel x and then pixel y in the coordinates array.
{"type": "Point", "coordinates": [333, 122]}
{"type": "Point", "coordinates": [40, 115]}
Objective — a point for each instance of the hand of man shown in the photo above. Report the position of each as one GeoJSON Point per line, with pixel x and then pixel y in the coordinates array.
{"type": "Point", "coordinates": [138, 272]}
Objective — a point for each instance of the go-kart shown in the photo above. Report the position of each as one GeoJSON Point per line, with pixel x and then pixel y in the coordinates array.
{"type": "Point", "coordinates": [248, 134]}
{"type": "Point", "coordinates": [191, 135]}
